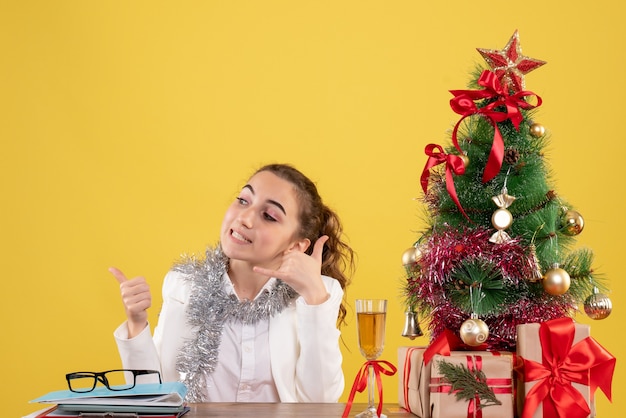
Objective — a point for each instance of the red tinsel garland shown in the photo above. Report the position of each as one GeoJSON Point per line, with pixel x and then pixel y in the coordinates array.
{"type": "Point", "coordinates": [441, 254]}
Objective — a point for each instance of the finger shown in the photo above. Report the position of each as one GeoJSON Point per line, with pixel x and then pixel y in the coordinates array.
{"type": "Point", "coordinates": [318, 248]}
{"type": "Point", "coordinates": [266, 272]}
{"type": "Point", "coordinates": [121, 277]}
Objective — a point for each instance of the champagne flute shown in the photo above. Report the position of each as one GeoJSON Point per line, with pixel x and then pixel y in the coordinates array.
{"type": "Point", "coordinates": [370, 318]}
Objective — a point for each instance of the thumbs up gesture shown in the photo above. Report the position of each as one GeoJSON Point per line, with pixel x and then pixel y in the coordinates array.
{"type": "Point", "coordinates": [137, 299]}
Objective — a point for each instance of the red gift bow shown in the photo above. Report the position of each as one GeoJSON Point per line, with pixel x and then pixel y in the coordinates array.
{"type": "Point", "coordinates": [463, 104]}
{"type": "Point", "coordinates": [454, 164]}
{"type": "Point", "coordinates": [447, 342]}
{"type": "Point", "coordinates": [587, 362]}
{"type": "Point", "coordinates": [360, 382]}
{"type": "Point", "coordinates": [473, 409]}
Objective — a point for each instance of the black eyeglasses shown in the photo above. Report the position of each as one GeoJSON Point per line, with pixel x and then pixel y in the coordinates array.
{"type": "Point", "coordinates": [120, 379]}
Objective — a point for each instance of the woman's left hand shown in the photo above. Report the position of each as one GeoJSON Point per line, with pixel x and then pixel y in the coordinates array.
{"type": "Point", "coordinates": [303, 273]}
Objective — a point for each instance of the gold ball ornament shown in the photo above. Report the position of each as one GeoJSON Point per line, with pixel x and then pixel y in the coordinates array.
{"type": "Point", "coordinates": [598, 305]}
{"type": "Point", "coordinates": [474, 332]}
{"type": "Point", "coordinates": [572, 223]}
{"type": "Point", "coordinates": [537, 130]}
{"type": "Point", "coordinates": [556, 281]}
{"type": "Point", "coordinates": [411, 256]}
{"type": "Point", "coordinates": [501, 219]}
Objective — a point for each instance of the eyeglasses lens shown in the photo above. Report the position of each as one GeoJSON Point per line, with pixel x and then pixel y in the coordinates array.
{"type": "Point", "coordinates": [117, 379]}
{"type": "Point", "coordinates": [82, 382]}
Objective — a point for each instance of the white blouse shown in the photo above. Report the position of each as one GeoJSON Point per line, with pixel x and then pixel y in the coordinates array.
{"type": "Point", "coordinates": [243, 371]}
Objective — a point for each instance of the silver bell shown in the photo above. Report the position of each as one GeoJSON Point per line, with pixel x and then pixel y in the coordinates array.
{"type": "Point", "coordinates": [411, 325]}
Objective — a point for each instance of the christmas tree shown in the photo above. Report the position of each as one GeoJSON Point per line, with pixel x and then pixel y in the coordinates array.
{"type": "Point", "coordinates": [498, 249]}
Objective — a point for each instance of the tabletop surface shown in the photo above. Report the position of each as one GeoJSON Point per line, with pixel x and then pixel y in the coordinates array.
{"type": "Point", "coordinates": [274, 410]}
{"type": "Point", "coordinates": [266, 410]}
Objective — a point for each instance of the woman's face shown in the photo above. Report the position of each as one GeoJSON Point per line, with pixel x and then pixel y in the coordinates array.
{"type": "Point", "coordinates": [261, 224]}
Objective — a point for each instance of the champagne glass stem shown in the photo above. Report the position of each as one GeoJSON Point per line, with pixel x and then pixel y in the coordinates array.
{"type": "Point", "coordinates": [370, 388]}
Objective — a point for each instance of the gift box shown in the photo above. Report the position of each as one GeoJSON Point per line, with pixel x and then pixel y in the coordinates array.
{"type": "Point", "coordinates": [498, 371]}
{"type": "Point", "coordinates": [414, 365]}
{"type": "Point", "coordinates": [413, 393]}
{"type": "Point", "coordinates": [562, 367]}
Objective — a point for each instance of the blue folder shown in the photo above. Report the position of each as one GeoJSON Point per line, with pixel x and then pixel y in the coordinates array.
{"type": "Point", "coordinates": [146, 397]}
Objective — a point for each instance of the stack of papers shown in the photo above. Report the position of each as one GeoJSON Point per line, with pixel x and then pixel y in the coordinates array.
{"type": "Point", "coordinates": [144, 400]}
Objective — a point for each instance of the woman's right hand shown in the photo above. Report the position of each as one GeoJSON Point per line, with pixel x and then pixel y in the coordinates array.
{"type": "Point", "coordinates": [136, 298]}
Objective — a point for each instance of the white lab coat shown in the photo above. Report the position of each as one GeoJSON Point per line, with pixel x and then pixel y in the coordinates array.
{"type": "Point", "coordinates": [304, 343]}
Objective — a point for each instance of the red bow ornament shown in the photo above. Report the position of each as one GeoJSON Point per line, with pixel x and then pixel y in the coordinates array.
{"type": "Point", "coordinates": [445, 343]}
{"type": "Point", "coordinates": [586, 362]}
{"type": "Point", "coordinates": [454, 164]}
{"type": "Point", "coordinates": [463, 104]}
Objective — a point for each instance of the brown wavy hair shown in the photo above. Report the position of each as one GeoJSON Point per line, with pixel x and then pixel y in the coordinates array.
{"type": "Point", "coordinates": [317, 219]}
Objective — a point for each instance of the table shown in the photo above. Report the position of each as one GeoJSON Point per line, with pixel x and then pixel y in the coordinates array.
{"type": "Point", "coordinates": [285, 410]}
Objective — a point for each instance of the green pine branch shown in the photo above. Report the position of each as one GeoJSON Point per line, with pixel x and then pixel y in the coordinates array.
{"type": "Point", "coordinates": [466, 384]}
{"type": "Point", "coordinates": [477, 287]}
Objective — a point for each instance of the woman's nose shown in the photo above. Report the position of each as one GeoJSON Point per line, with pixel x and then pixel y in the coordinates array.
{"type": "Point", "coordinates": [246, 218]}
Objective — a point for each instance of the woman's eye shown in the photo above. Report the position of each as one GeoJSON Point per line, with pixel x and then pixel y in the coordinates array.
{"type": "Point", "coordinates": [269, 217]}
{"type": "Point", "coordinates": [242, 201]}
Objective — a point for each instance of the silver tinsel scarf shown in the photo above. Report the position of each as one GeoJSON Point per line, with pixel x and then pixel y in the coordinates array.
{"type": "Point", "coordinates": [209, 309]}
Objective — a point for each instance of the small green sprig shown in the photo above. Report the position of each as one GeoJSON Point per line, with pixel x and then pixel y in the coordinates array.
{"type": "Point", "coordinates": [466, 384]}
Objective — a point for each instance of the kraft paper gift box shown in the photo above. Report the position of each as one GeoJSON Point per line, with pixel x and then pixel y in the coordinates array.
{"type": "Point", "coordinates": [575, 355]}
{"type": "Point", "coordinates": [413, 393]}
{"type": "Point", "coordinates": [498, 369]}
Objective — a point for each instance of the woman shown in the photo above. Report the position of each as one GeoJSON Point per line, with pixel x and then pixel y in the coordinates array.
{"type": "Point", "coordinates": [256, 319]}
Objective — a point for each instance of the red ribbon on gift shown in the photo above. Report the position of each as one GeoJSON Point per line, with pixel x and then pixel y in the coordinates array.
{"type": "Point", "coordinates": [587, 363]}
{"type": "Point", "coordinates": [463, 104]}
{"type": "Point", "coordinates": [473, 408]}
{"type": "Point", "coordinates": [406, 373]}
{"type": "Point", "coordinates": [454, 164]}
{"type": "Point", "coordinates": [360, 382]}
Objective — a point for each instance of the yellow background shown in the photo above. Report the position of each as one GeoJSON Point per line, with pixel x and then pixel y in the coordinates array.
{"type": "Point", "coordinates": [128, 126]}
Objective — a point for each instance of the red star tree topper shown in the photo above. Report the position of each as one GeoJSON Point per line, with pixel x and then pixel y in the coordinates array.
{"type": "Point", "coordinates": [509, 64]}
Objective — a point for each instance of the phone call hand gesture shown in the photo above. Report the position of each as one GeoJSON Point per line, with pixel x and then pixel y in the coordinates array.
{"type": "Point", "coordinates": [302, 272]}
{"type": "Point", "coordinates": [136, 298]}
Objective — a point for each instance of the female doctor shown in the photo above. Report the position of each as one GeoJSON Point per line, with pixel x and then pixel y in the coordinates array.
{"type": "Point", "coordinates": [255, 319]}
